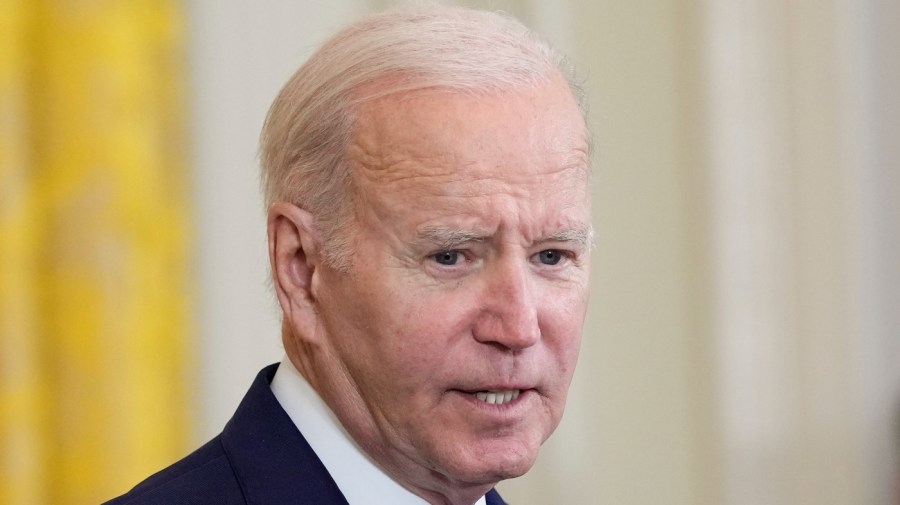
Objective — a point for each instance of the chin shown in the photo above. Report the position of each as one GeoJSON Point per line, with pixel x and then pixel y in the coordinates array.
{"type": "Point", "coordinates": [499, 462]}
{"type": "Point", "coordinates": [492, 473]}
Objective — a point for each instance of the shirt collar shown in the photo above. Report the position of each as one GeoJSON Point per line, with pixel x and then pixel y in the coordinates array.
{"type": "Point", "coordinates": [356, 475]}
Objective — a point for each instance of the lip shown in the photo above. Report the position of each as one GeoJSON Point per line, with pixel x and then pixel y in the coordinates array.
{"type": "Point", "coordinates": [494, 387]}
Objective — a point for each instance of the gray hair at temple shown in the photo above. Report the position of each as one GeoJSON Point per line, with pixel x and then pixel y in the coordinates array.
{"type": "Point", "coordinates": [309, 126]}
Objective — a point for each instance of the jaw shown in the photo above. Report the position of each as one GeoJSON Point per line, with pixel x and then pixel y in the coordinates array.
{"type": "Point", "coordinates": [484, 444]}
{"type": "Point", "coordinates": [467, 455]}
{"type": "Point", "coordinates": [465, 485]}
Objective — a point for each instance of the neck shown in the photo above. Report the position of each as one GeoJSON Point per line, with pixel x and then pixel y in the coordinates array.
{"type": "Point", "coordinates": [440, 491]}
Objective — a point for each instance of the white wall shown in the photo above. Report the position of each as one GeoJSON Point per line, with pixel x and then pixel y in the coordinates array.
{"type": "Point", "coordinates": [804, 217]}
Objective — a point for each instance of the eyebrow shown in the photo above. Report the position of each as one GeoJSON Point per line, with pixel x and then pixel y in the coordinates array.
{"type": "Point", "coordinates": [449, 238]}
{"type": "Point", "coordinates": [583, 236]}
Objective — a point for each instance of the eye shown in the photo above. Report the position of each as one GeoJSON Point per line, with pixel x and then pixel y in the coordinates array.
{"type": "Point", "coordinates": [550, 256]}
{"type": "Point", "coordinates": [447, 258]}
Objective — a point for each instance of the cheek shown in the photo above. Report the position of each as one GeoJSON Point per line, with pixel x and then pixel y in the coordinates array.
{"type": "Point", "coordinates": [562, 323]}
{"type": "Point", "coordinates": [425, 328]}
{"type": "Point", "coordinates": [411, 356]}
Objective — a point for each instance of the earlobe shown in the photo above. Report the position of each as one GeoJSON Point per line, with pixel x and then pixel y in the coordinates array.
{"type": "Point", "coordinates": [294, 248]}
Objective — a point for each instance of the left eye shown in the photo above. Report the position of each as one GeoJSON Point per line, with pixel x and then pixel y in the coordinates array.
{"type": "Point", "coordinates": [549, 257]}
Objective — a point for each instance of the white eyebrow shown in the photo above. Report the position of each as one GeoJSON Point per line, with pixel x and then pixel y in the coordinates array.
{"type": "Point", "coordinates": [447, 238]}
{"type": "Point", "coordinates": [450, 238]}
{"type": "Point", "coordinates": [583, 236]}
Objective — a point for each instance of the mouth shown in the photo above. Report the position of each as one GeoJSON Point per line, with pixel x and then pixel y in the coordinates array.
{"type": "Point", "coordinates": [498, 397]}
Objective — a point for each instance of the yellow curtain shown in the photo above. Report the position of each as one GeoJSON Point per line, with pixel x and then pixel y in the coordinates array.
{"type": "Point", "coordinates": [94, 291]}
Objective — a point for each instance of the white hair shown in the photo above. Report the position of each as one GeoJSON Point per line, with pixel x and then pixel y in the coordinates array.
{"type": "Point", "coordinates": [309, 126]}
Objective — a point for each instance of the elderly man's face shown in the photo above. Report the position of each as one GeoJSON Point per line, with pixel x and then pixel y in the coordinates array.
{"type": "Point", "coordinates": [455, 333]}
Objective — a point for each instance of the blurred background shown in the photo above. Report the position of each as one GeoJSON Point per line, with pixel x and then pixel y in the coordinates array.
{"type": "Point", "coordinates": [743, 341]}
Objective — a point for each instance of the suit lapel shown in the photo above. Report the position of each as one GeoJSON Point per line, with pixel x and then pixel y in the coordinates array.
{"type": "Point", "coordinates": [493, 498]}
{"type": "Point", "coordinates": [270, 458]}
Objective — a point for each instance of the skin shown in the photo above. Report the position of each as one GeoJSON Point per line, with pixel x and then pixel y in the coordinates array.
{"type": "Point", "coordinates": [469, 272]}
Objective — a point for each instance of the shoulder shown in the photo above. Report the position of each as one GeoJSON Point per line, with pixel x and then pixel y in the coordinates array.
{"type": "Point", "coordinates": [203, 477]}
{"type": "Point", "coordinates": [260, 457]}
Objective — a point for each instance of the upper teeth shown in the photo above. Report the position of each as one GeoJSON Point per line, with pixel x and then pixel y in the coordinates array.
{"type": "Point", "coordinates": [498, 397]}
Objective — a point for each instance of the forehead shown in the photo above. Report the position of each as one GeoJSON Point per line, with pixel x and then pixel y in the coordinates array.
{"type": "Point", "coordinates": [536, 132]}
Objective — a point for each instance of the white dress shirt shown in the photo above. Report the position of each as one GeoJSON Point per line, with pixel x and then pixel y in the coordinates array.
{"type": "Point", "coordinates": [360, 480]}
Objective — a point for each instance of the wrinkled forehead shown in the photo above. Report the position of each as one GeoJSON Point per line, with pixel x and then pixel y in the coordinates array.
{"type": "Point", "coordinates": [526, 132]}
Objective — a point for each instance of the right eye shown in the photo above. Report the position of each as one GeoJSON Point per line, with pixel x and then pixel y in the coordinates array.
{"type": "Point", "coordinates": [447, 258]}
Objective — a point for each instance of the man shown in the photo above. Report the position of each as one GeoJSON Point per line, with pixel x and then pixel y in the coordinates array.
{"type": "Point", "coordinates": [426, 175]}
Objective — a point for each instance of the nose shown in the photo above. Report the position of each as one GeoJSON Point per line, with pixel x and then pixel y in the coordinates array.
{"type": "Point", "coordinates": [509, 316]}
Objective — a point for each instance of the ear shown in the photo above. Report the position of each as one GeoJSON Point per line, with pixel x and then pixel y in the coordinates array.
{"type": "Point", "coordinates": [294, 255]}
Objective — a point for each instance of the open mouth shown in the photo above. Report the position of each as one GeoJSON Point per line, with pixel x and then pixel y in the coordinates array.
{"type": "Point", "coordinates": [498, 397]}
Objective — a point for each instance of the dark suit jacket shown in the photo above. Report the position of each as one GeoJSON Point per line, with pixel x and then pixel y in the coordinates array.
{"type": "Point", "coordinates": [259, 459]}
